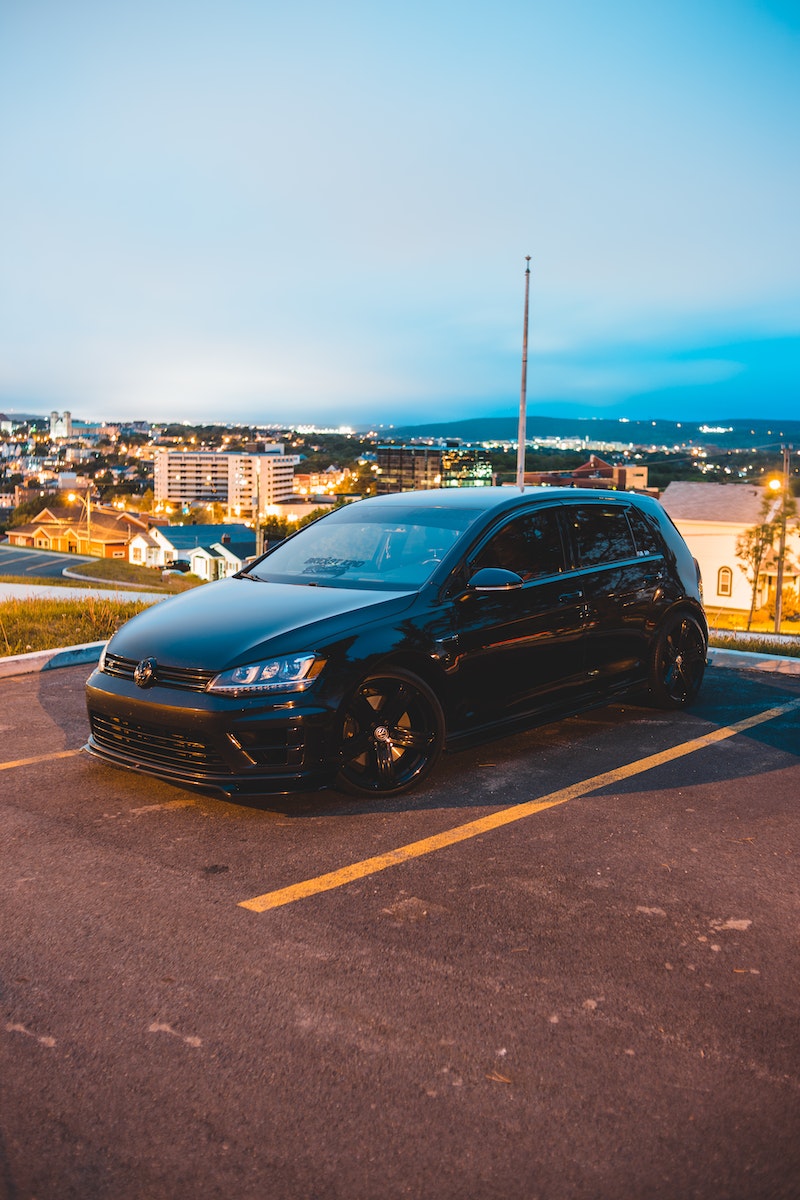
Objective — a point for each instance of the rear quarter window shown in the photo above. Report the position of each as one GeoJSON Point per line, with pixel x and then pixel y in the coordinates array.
{"type": "Point", "coordinates": [645, 531]}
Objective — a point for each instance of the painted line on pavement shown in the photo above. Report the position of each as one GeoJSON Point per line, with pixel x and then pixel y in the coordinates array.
{"type": "Point", "coordinates": [505, 816]}
{"type": "Point", "coordinates": [39, 758]}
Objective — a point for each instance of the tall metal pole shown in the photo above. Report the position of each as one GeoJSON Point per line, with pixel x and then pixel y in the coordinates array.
{"type": "Point", "coordinates": [259, 527]}
{"type": "Point", "coordinates": [782, 543]}
{"type": "Point", "coordinates": [523, 395]}
{"type": "Point", "coordinates": [89, 519]}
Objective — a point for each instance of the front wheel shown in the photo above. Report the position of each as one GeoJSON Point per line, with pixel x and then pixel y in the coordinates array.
{"type": "Point", "coordinates": [678, 662]}
{"type": "Point", "coordinates": [391, 735]}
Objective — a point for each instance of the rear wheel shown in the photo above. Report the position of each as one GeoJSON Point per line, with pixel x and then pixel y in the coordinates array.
{"type": "Point", "coordinates": [391, 735]}
{"type": "Point", "coordinates": [678, 662]}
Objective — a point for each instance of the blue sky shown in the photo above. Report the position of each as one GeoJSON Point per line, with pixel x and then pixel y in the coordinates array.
{"type": "Point", "coordinates": [317, 212]}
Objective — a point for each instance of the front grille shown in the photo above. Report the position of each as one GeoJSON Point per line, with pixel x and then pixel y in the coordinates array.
{"type": "Point", "coordinates": [190, 679]}
{"type": "Point", "coordinates": [152, 744]}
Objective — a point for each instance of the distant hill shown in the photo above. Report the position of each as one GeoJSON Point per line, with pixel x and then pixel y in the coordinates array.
{"type": "Point", "coordinates": [732, 434]}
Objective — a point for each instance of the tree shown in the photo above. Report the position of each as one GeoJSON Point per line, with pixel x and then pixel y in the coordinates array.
{"type": "Point", "coordinates": [751, 549]}
{"type": "Point", "coordinates": [753, 546]}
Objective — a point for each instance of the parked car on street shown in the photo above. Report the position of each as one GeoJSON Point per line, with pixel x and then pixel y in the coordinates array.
{"type": "Point", "coordinates": [353, 652]}
{"type": "Point", "coordinates": [177, 566]}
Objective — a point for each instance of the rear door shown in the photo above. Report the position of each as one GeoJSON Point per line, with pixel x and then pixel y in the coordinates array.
{"type": "Point", "coordinates": [620, 580]}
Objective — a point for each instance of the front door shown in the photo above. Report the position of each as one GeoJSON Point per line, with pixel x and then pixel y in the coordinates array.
{"type": "Point", "coordinates": [519, 650]}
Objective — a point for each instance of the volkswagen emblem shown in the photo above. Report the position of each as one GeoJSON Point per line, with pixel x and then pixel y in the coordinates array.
{"type": "Point", "coordinates": [144, 673]}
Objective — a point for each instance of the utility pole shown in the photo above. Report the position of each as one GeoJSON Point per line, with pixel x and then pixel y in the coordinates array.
{"type": "Point", "coordinates": [523, 395]}
{"type": "Point", "coordinates": [89, 519]}
{"type": "Point", "coordinates": [259, 530]}
{"type": "Point", "coordinates": [782, 543]}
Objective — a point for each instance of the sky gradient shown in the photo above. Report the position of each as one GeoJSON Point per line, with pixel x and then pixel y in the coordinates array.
{"type": "Point", "coordinates": [262, 212]}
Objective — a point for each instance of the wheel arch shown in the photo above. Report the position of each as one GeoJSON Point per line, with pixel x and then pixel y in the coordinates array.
{"type": "Point", "coordinates": [423, 666]}
{"type": "Point", "coordinates": [681, 608]}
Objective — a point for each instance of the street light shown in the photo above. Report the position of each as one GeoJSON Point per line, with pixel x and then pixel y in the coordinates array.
{"type": "Point", "coordinates": [87, 502]}
{"type": "Point", "coordinates": [781, 485]}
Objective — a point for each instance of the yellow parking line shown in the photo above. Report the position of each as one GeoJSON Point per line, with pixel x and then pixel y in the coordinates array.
{"type": "Point", "coordinates": [461, 833]}
{"type": "Point", "coordinates": [27, 762]}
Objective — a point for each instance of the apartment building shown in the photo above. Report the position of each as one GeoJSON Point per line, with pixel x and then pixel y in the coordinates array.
{"type": "Point", "coordinates": [410, 468]}
{"type": "Point", "coordinates": [241, 482]}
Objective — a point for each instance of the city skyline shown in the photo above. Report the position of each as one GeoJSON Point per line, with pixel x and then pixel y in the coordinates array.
{"type": "Point", "coordinates": [249, 214]}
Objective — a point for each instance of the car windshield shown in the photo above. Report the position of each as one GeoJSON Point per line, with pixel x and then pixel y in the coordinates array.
{"type": "Point", "coordinates": [363, 547]}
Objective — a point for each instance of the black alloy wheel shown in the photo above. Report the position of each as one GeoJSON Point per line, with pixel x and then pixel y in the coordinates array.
{"type": "Point", "coordinates": [391, 735]}
{"type": "Point", "coordinates": [678, 663]}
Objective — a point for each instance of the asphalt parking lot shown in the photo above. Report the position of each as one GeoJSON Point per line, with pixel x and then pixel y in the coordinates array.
{"type": "Point", "coordinates": [566, 968]}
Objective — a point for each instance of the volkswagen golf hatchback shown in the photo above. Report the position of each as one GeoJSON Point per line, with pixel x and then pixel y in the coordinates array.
{"type": "Point", "coordinates": [355, 651]}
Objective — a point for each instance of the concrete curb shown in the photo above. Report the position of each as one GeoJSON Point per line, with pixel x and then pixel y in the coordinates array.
{"type": "Point", "coordinates": [89, 652]}
{"type": "Point", "coordinates": [48, 660]}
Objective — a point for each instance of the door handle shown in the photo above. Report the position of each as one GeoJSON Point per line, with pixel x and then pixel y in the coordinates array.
{"type": "Point", "coordinates": [566, 597]}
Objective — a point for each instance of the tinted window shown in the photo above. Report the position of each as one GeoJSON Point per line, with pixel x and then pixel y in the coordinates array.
{"type": "Point", "coordinates": [602, 535]}
{"type": "Point", "coordinates": [530, 546]}
{"type": "Point", "coordinates": [644, 530]}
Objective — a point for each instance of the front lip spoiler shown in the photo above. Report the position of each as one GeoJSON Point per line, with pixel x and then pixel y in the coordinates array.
{"type": "Point", "coordinates": [228, 786]}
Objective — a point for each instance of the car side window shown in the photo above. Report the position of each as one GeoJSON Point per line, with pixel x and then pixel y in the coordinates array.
{"type": "Point", "coordinates": [530, 545]}
{"type": "Point", "coordinates": [647, 539]}
{"type": "Point", "coordinates": [601, 534]}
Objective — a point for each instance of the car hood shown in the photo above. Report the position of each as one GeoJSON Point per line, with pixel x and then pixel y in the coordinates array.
{"type": "Point", "coordinates": [230, 622]}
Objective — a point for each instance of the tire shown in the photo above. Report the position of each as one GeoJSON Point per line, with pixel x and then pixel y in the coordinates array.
{"type": "Point", "coordinates": [678, 662]}
{"type": "Point", "coordinates": [391, 735]}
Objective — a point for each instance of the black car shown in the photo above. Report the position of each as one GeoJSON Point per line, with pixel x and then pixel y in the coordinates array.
{"type": "Point", "coordinates": [354, 651]}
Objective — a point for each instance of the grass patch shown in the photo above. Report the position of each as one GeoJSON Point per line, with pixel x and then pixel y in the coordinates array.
{"type": "Point", "coordinates": [119, 570]}
{"type": "Point", "coordinates": [40, 624]}
{"type": "Point", "coordinates": [754, 643]}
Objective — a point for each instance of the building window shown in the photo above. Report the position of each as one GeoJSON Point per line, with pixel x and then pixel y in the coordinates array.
{"type": "Point", "coordinates": [724, 581]}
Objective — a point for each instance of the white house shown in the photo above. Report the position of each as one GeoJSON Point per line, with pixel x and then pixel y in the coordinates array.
{"type": "Point", "coordinates": [711, 516]}
{"type": "Point", "coordinates": [221, 559]}
{"type": "Point", "coordinates": [163, 543]}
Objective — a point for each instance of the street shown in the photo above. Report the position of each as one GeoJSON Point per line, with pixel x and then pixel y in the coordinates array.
{"type": "Point", "coordinates": [595, 994]}
{"type": "Point", "coordinates": [15, 560]}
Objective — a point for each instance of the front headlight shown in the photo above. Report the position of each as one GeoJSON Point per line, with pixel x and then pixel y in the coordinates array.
{"type": "Point", "coordinates": [293, 673]}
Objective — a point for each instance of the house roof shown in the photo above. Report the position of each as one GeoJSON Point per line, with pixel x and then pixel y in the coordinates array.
{"type": "Point", "coordinates": [107, 525]}
{"type": "Point", "coordinates": [722, 503]}
{"type": "Point", "coordinates": [238, 549]}
{"type": "Point", "coordinates": [189, 537]}
{"type": "Point", "coordinates": [147, 538]}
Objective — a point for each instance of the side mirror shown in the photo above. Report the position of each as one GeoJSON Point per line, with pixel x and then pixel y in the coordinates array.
{"type": "Point", "coordinates": [494, 579]}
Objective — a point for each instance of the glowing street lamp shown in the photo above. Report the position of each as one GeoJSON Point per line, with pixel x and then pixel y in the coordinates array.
{"type": "Point", "coordinates": [781, 485]}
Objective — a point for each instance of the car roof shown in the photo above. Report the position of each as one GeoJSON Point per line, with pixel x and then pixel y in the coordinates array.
{"type": "Point", "coordinates": [486, 499]}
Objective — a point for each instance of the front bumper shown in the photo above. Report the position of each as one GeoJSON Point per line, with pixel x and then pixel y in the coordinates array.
{"type": "Point", "coordinates": [236, 747]}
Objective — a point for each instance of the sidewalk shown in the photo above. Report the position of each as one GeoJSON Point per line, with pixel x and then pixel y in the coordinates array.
{"type": "Point", "coordinates": [21, 591]}
{"type": "Point", "coordinates": [741, 659]}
